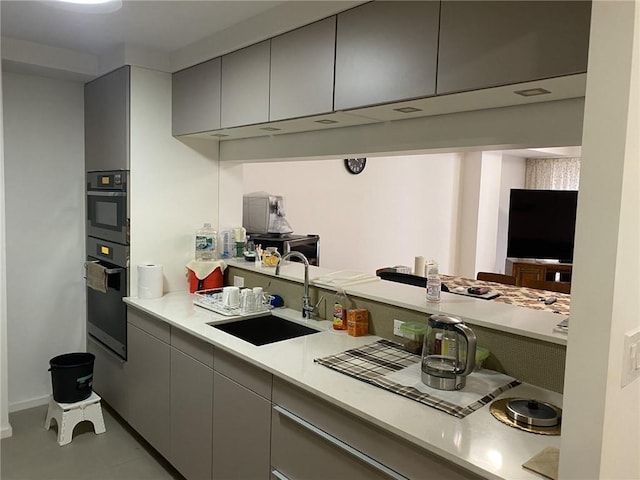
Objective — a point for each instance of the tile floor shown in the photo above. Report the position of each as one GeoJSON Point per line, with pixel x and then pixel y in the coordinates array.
{"type": "Point", "coordinates": [32, 453]}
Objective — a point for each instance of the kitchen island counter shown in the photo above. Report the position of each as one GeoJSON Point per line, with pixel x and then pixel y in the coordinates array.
{"type": "Point", "coordinates": [521, 321]}
{"type": "Point", "coordinates": [478, 443]}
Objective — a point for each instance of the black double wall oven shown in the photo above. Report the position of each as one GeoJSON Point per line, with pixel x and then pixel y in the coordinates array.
{"type": "Point", "coordinates": [108, 246]}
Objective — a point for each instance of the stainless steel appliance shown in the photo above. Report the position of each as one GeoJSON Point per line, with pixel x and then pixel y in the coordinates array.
{"type": "Point", "coordinates": [106, 312]}
{"type": "Point", "coordinates": [264, 213]}
{"type": "Point", "coordinates": [108, 246]}
{"type": "Point", "coordinates": [308, 245]}
{"type": "Point", "coordinates": [448, 354]}
{"type": "Point", "coordinates": [107, 205]}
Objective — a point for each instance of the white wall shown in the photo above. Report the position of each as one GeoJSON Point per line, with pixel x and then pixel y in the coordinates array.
{"type": "Point", "coordinates": [44, 188]}
{"type": "Point", "coordinates": [174, 184]}
{"type": "Point", "coordinates": [512, 176]}
{"type": "Point", "coordinates": [601, 421]}
{"type": "Point", "coordinates": [5, 426]}
{"type": "Point", "coordinates": [397, 209]}
{"type": "Point", "coordinates": [488, 209]}
{"type": "Point", "coordinates": [470, 190]}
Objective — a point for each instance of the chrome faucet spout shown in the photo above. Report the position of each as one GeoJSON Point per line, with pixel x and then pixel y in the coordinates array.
{"type": "Point", "coordinates": [307, 308]}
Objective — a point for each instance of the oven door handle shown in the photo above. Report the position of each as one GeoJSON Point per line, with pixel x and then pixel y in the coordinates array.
{"type": "Point", "coordinates": [108, 271]}
{"type": "Point", "coordinates": [106, 194]}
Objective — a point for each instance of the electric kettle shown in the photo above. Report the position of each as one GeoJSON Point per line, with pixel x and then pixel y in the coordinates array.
{"type": "Point", "coordinates": [448, 353]}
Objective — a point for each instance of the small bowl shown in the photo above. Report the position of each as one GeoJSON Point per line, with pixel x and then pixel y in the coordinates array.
{"type": "Point", "coordinates": [249, 257]}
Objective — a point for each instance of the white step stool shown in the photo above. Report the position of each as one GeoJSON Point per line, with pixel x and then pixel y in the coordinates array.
{"type": "Point", "coordinates": [68, 415]}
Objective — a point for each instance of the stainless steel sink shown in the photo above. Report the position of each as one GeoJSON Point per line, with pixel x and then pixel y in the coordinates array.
{"type": "Point", "coordinates": [264, 329]}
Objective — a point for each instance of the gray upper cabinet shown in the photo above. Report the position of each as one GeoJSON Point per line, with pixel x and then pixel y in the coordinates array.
{"type": "Point", "coordinates": [302, 64]}
{"type": "Point", "coordinates": [386, 51]}
{"type": "Point", "coordinates": [196, 98]}
{"type": "Point", "coordinates": [245, 86]}
{"type": "Point", "coordinates": [486, 44]}
{"type": "Point", "coordinates": [106, 120]}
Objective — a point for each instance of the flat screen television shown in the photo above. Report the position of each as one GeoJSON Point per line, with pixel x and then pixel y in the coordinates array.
{"type": "Point", "coordinates": [542, 224]}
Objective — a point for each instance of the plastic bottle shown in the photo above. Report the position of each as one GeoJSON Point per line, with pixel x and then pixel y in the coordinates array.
{"type": "Point", "coordinates": [206, 240]}
{"type": "Point", "coordinates": [340, 311]}
{"type": "Point", "coordinates": [226, 246]}
{"type": "Point", "coordinates": [433, 282]}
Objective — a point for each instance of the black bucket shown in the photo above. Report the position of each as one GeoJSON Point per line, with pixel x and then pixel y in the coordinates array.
{"type": "Point", "coordinates": [72, 377]}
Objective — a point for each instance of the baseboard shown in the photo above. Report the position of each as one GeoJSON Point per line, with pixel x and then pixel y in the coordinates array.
{"type": "Point", "coordinates": [6, 432]}
{"type": "Point", "coordinates": [34, 402]}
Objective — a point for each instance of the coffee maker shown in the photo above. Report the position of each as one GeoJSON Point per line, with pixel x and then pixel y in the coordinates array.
{"type": "Point", "coordinates": [448, 353]}
{"type": "Point", "coordinates": [263, 213]}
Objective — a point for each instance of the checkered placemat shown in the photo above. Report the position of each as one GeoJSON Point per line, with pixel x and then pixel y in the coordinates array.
{"type": "Point", "coordinates": [386, 365]}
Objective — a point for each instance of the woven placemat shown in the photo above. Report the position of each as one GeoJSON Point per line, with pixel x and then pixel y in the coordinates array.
{"type": "Point", "coordinates": [382, 364]}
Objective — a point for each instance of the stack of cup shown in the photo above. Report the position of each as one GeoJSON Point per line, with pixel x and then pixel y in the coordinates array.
{"type": "Point", "coordinates": [231, 297]}
{"type": "Point", "coordinates": [252, 300]}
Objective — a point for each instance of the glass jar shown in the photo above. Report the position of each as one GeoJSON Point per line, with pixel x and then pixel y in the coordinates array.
{"type": "Point", "coordinates": [270, 257]}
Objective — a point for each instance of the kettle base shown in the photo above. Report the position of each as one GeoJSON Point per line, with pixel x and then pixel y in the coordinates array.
{"type": "Point", "coordinates": [443, 383]}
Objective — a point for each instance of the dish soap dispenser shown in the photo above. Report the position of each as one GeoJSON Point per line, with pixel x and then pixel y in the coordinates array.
{"type": "Point", "coordinates": [340, 311]}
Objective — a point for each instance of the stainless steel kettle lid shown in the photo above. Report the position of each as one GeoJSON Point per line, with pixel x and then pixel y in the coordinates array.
{"type": "Point", "coordinates": [532, 412]}
{"type": "Point", "coordinates": [443, 320]}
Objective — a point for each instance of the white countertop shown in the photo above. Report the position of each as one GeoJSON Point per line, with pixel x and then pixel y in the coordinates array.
{"type": "Point", "coordinates": [517, 320]}
{"type": "Point", "coordinates": [478, 442]}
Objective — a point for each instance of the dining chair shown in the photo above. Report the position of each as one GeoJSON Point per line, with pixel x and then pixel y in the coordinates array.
{"type": "Point", "coordinates": [560, 287]}
{"type": "Point", "coordinates": [496, 277]}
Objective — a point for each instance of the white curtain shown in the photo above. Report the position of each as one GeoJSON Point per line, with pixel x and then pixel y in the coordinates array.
{"type": "Point", "coordinates": [552, 173]}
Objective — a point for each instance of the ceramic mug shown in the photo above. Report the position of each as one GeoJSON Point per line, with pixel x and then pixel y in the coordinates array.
{"type": "Point", "coordinates": [231, 297]}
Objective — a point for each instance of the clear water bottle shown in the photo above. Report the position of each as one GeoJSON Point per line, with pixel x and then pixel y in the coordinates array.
{"type": "Point", "coordinates": [433, 282]}
{"type": "Point", "coordinates": [206, 240]}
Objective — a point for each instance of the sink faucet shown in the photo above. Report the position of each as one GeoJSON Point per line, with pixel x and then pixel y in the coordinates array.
{"type": "Point", "coordinates": [307, 308]}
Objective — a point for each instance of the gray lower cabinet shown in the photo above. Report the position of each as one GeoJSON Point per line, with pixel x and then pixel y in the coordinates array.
{"type": "Point", "coordinates": [191, 415]}
{"type": "Point", "coordinates": [241, 419]}
{"type": "Point", "coordinates": [302, 65]}
{"type": "Point", "coordinates": [106, 120]}
{"type": "Point", "coordinates": [195, 98]}
{"type": "Point", "coordinates": [491, 43]}
{"type": "Point", "coordinates": [109, 377]}
{"type": "Point", "coordinates": [301, 451]}
{"type": "Point", "coordinates": [245, 86]}
{"type": "Point", "coordinates": [314, 439]}
{"type": "Point", "coordinates": [148, 379]}
{"type": "Point", "coordinates": [386, 51]}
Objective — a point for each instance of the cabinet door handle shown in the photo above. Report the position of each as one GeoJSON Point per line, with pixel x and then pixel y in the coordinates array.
{"type": "Point", "coordinates": [339, 443]}
{"type": "Point", "coordinates": [279, 475]}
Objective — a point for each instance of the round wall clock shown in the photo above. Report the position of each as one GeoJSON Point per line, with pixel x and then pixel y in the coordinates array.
{"type": "Point", "coordinates": [355, 165]}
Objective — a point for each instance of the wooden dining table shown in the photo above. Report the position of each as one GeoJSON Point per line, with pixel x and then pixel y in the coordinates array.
{"type": "Point", "coordinates": [513, 295]}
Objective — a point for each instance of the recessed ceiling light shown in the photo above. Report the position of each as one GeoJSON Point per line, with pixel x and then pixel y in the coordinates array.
{"type": "Point", "coordinates": [86, 2]}
{"type": "Point", "coordinates": [220, 135]}
{"type": "Point", "coordinates": [408, 109]}
{"type": "Point", "coordinates": [270, 129]}
{"type": "Point", "coordinates": [532, 92]}
{"type": "Point", "coordinates": [326, 121]}
{"type": "Point", "coordinates": [87, 6]}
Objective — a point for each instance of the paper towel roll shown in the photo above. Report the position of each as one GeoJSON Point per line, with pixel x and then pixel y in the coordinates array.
{"type": "Point", "coordinates": [418, 266]}
{"type": "Point", "coordinates": [149, 281]}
